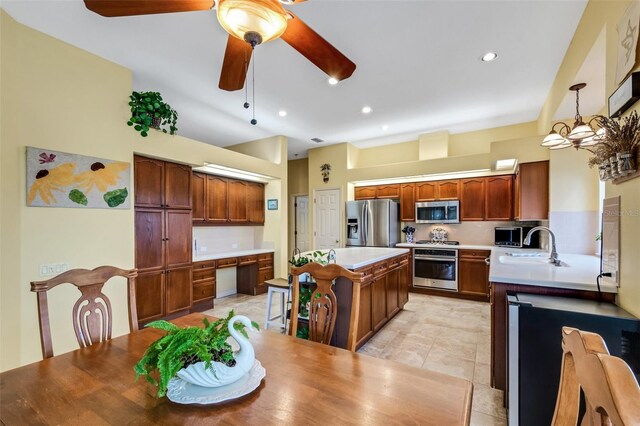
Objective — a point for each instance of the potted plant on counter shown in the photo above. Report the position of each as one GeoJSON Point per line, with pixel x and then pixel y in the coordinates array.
{"type": "Point", "coordinates": [200, 356]}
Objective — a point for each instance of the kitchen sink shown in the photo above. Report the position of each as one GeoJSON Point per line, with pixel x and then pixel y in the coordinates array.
{"type": "Point", "coordinates": [517, 260]}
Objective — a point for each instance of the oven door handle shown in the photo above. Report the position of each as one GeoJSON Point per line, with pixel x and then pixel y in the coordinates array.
{"type": "Point", "coordinates": [444, 259]}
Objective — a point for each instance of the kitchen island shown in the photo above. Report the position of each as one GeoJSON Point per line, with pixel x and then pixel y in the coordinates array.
{"type": "Point", "coordinates": [528, 271]}
{"type": "Point", "coordinates": [384, 290]}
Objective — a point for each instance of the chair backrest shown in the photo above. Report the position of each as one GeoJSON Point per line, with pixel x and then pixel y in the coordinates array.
{"type": "Point", "coordinates": [611, 391]}
{"type": "Point", "coordinates": [323, 308]}
{"type": "Point", "coordinates": [92, 312]}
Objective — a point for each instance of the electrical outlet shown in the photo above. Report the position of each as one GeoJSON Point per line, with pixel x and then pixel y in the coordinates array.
{"type": "Point", "coordinates": [49, 269]}
{"type": "Point", "coordinates": [234, 245]}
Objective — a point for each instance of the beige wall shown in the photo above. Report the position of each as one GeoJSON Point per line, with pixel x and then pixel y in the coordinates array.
{"type": "Point", "coordinates": [298, 176]}
{"type": "Point", "coordinates": [599, 15]}
{"type": "Point", "coordinates": [56, 96]}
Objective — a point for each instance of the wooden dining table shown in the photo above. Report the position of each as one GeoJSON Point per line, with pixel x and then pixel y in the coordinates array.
{"type": "Point", "coordinates": [305, 383]}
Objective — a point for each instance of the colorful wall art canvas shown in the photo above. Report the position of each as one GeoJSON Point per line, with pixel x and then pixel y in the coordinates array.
{"type": "Point", "coordinates": [59, 179]}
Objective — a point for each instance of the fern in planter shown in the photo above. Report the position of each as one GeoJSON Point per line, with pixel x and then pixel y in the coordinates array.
{"type": "Point", "coordinates": [181, 347]}
{"type": "Point", "coordinates": [148, 110]}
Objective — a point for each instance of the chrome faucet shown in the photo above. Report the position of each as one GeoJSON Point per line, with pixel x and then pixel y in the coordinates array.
{"type": "Point", "coordinates": [553, 256]}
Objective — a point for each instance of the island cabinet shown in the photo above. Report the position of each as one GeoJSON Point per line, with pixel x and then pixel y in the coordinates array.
{"type": "Point", "coordinates": [162, 238]}
{"type": "Point", "coordinates": [531, 194]}
{"type": "Point", "coordinates": [384, 291]}
{"type": "Point", "coordinates": [473, 274]}
{"type": "Point", "coordinates": [219, 200]}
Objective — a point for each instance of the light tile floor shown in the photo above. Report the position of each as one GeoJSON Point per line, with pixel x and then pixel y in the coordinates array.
{"type": "Point", "coordinates": [441, 334]}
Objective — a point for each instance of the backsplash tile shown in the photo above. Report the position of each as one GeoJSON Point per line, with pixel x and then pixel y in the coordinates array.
{"type": "Point", "coordinates": [222, 239]}
{"type": "Point", "coordinates": [480, 232]}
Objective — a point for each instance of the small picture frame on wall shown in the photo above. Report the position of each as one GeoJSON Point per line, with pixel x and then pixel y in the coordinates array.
{"type": "Point", "coordinates": [272, 204]}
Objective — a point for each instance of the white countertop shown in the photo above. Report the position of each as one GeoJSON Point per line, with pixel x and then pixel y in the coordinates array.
{"type": "Point", "coordinates": [578, 272]}
{"type": "Point", "coordinates": [461, 246]}
{"type": "Point", "coordinates": [226, 254]}
{"type": "Point", "coordinates": [357, 257]}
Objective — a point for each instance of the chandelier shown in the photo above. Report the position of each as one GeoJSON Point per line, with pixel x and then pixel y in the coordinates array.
{"type": "Point", "coordinates": [581, 135]}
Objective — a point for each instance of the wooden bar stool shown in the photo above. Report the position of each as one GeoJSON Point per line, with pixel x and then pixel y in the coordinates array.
{"type": "Point", "coordinates": [279, 286]}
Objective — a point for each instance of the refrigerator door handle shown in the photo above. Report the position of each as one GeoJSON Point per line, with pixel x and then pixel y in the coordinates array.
{"type": "Point", "coordinates": [365, 222]}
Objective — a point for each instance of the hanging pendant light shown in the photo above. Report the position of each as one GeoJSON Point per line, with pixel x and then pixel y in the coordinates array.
{"type": "Point", "coordinates": [581, 135]}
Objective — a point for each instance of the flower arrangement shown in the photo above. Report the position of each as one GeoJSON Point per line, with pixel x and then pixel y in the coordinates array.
{"type": "Point", "coordinates": [408, 231]}
{"type": "Point", "coordinates": [615, 155]}
{"type": "Point", "coordinates": [325, 169]}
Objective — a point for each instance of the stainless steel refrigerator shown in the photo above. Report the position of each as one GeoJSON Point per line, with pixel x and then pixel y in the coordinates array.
{"type": "Point", "coordinates": [373, 223]}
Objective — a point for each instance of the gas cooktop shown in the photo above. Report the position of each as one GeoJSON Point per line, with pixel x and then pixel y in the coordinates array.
{"type": "Point", "coordinates": [440, 243]}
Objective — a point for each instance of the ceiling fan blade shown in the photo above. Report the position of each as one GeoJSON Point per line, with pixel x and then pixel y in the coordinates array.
{"type": "Point", "coordinates": [316, 49]}
{"type": "Point", "coordinates": [234, 67]}
{"type": "Point", "coordinates": [111, 8]}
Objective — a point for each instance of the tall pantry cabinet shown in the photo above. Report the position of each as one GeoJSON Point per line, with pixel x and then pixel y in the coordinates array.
{"type": "Point", "coordinates": [162, 238]}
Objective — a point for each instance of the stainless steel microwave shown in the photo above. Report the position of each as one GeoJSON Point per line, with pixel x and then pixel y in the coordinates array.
{"type": "Point", "coordinates": [438, 212]}
{"type": "Point", "coordinates": [513, 236]}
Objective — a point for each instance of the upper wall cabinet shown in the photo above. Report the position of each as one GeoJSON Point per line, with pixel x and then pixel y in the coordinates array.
{"type": "Point", "coordinates": [531, 201]}
{"type": "Point", "coordinates": [223, 201]}
{"type": "Point", "coordinates": [499, 198]}
{"type": "Point", "coordinates": [388, 191]}
{"type": "Point", "coordinates": [365, 192]}
{"type": "Point", "coordinates": [161, 184]}
{"type": "Point", "coordinates": [407, 202]}
{"type": "Point", "coordinates": [438, 190]}
{"type": "Point", "coordinates": [472, 199]}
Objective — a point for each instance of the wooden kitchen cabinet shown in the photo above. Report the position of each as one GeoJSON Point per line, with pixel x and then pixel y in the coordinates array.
{"type": "Point", "coordinates": [407, 202]}
{"type": "Point", "coordinates": [472, 199]}
{"type": "Point", "coordinates": [161, 184]}
{"type": "Point", "coordinates": [198, 199]}
{"type": "Point", "coordinates": [365, 192]}
{"type": "Point", "coordinates": [365, 326]}
{"type": "Point", "coordinates": [163, 239]}
{"type": "Point", "coordinates": [531, 200]}
{"type": "Point", "coordinates": [448, 189]}
{"type": "Point", "coordinates": [203, 277]}
{"type": "Point", "coordinates": [216, 200]}
{"type": "Point", "coordinates": [388, 191]}
{"type": "Point", "coordinates": [393, 287]}
{"type": "Point", "coordinates": [473, 273]}
{"type": "Point", "coordinates": [426, 191]}
{"type": "Point", "coordinates": [150, 295]}
{"type": "Point", "coordinates": [499, 198]}
{"type": "Point", "coordinates": [178, 289]}
{"type": "Point", "coordinates": [379, 302]}
{"type": "Point", "coordinates": [255, 203]}
{"type": "Point", "coordinates": [405, 277]}
{"type": "Point", "coordinates": [178, 238]}
{"type": "Point", "coordinates": [253, 271]}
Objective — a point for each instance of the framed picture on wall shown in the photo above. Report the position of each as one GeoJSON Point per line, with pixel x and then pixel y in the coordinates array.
{"type": "Point", "coordinates": [272, 204]}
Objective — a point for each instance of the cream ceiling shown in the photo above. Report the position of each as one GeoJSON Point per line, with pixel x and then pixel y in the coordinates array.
{"type": "Point", "coordinates": [418, 66]}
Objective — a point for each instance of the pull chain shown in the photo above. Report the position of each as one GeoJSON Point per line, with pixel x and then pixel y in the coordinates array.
{"type": "Point", "coordinates": [253, 86]}
{"type": "Point", "coordinates": [246, 70]}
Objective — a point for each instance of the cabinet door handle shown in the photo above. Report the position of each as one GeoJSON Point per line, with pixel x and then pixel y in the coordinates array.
{"type": "Point", "coordinates": [487, 261]}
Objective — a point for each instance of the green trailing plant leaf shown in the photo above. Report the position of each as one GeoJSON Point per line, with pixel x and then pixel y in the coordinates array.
{"type": "Point", "coordinates": [78, 197]}
{"type": "Point", "coordinates": [181, 347]}
{"type": "Point", "coordinates": [148, 105]}
{"type": "Point", "coordinates": [116, 197]}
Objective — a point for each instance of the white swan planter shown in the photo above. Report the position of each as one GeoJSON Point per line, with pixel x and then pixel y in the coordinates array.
{"type": "Point", "coordinates": [219, 374]}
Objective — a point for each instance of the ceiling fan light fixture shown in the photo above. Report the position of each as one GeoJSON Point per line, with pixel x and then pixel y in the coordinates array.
{"type": "Point", "coordinates": [264, 17]}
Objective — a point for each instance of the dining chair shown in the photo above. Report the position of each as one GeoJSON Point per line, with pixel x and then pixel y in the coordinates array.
{"type": "Point", "coordinates": [91, 314]}
{"type": "Point", "coordinates": [610, 389]}
{"type": "Point", "coordinates": [323, 307]}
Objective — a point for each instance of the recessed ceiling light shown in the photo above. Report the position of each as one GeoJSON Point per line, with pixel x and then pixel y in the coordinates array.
{"type": "Point", "coordinates": [385, 127]}
{"type": "Point", "coordinates": [366, 109]}
{"type": "Point", "coordinates": [282, 113]}
{"type": "Point", "coordinates": [333, 81]}
{"type": "Point", "coordinates": [489, 56]}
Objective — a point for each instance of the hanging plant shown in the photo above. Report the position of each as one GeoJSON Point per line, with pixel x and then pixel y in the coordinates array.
{"type": "Point", "coordinates": [615, 155]}
{"type": "Point", "coordinates": [149, 111]}
{"type": "Point", "coordinates": [325, 169]}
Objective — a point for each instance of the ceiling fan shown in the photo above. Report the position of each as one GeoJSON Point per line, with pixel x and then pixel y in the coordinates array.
{"type": "Point", "coordinates": [249, 23]}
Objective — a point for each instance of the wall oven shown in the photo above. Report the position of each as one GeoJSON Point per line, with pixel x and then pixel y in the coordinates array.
{"type": "Point", "coordinates": [438, 212]}
{"type": "Point", "coordinates": [435, 268]}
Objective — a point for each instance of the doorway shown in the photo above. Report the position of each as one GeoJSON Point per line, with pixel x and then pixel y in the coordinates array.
{"type": "Point", "coordinates": [326, 219]}
{"type": "Point", "coordinates": [301, 223]}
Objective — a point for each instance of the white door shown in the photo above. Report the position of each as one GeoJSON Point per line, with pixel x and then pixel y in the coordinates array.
{"type": "Point", "coordinates": [302, 223]}
{"type": "Point", "coordinates": [326, 219]}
